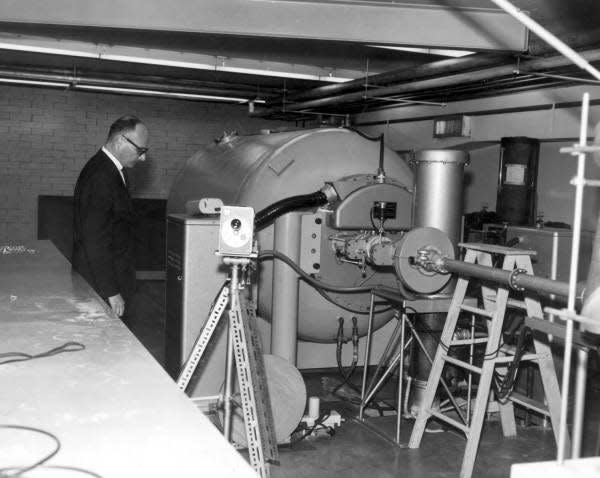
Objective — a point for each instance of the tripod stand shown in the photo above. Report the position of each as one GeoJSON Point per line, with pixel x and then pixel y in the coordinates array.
{"type": "Point", "coordinates": [243, 346]}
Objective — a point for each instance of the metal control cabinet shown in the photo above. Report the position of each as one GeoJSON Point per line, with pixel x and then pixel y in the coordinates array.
{"type": "Point", "coordinates": [553, 247]}
{"type": "Point", "coordinates": [194, 278]}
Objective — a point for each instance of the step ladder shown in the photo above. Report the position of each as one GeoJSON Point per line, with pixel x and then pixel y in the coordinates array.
{"type": "Point", "coordinates": [245, 346]}
{"type": "Point", "coordinates": [495, 301]}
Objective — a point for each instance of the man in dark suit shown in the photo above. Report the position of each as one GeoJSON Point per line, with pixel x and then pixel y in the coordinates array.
{"type": "Point", "coordinates": [103, 235]}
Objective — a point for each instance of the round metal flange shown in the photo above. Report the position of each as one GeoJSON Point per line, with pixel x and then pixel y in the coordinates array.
{"type": "Point", "coordinates": [512, 279]}
{"type": "Point", "coordinates": [414, 276]}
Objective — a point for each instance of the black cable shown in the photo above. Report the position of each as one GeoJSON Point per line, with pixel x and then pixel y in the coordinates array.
{"type": "Point", "coordinates": [503, 384]}
{"type": "Point", "coordinates": [364, 135]}
{"type": "Point", "coordinates": [318, 422]}
{"type": "Point", "coordinates": [328, 298]}
{"type": "Point", "coordinates": [269, 254]}
{"type": "Point", "coordinates": [25, 469]}
{"type": "Point", "coordinates": [22, 357]}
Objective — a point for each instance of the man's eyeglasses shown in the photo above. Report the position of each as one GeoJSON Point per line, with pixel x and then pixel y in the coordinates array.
{"type": "Point", "coordinates": [140, 151]}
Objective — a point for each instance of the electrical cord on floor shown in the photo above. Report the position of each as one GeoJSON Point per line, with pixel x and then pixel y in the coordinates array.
{"type": "Point", "coordinates": [317, 425]}
{"type": "Point", "coordinates": [10, 357]}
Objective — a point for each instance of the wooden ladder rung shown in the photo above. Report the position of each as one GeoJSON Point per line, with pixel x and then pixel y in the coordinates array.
{"type": "Point", "coordinates": [450, 421]}
{"type": "Point", "coordinates": [514, 303]}
{"type": "Point", "coordinates": [517, 304]}
{"type": "Point", "coordinates": [479, 340]}
{"type": "Point", "coordinates": [510, 358]}
{"type": "Point", "coordinates": [477, 310]}
{"type": "Point", "coordinates": [530, 403]}
{"type": "Point", "coordinates": [463, 364]}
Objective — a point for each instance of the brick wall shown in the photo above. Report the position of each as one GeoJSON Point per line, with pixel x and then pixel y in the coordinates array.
{"type": "Point", "coordinates": [46, 136]}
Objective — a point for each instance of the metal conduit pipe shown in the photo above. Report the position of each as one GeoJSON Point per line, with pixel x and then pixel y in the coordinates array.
{"type": "Point", "coordinates": [436, 68]}
{"type": "Point", "coordinates": [451, 80]}
{"type": "Point", "coordinates": [159, 85]}
{"type": "Point", "coordinates": [517, 279]}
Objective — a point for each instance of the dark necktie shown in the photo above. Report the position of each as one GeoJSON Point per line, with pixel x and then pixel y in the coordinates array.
{"type": "Point", "coordinates": [124, 171]}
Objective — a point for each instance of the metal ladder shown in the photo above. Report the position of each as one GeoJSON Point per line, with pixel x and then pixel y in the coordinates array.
{"type": "Point", "coordinates": [495, 303]}
{"type": "Point", "coordinates": [246, 348]}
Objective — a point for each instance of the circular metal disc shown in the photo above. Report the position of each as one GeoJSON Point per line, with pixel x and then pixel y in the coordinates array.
{"type": "Point", "coordinates": [287, 393]}
{"type": "Point", "coordinates": [413, 276]}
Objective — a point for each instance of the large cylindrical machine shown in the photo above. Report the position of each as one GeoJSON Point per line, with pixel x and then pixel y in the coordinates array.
{"type": "Point", "coordinates": [259, 170]}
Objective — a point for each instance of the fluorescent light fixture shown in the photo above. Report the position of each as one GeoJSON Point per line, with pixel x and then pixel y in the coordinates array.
{"type": "Point", "coordinates": [222, 67]}
{"type": "Point", "coordinates": [18, 81]}
{"type": "Point", "coordinates": [167, 94]}
{"type": "Point", "coordinates": [282, 74]}
{"type": "Point", "coordinates": [428, 51]}
{"type": "Point", "coordinates": [172, 63]}
{"type": "Point", "coordinates": [46, 50]}
{"type": "Point", "coordinates": [156, 61]}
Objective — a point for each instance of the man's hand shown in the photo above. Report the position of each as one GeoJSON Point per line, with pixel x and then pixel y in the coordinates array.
{"type": "Point", "coordinates": [117, 304]}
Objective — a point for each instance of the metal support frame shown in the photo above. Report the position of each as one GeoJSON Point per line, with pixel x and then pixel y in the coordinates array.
{"type": "Point", "coordinates": [369, 391]}
{"type": "Point", "coordinates": [244, 346]}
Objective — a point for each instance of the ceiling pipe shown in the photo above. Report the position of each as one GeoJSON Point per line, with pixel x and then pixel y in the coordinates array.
{"type": "Point", "coordinates": [160, 85]}
{"type": "Point", "coordinates": [436, 68]}
{"type": "Point", "coordinates": [447, 81]}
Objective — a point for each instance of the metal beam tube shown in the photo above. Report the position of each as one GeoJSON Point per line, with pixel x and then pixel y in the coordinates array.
{"type": "Point", "coordinates": [518, 280]}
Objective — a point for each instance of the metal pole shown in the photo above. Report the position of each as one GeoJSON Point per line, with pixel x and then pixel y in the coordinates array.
{"type": "Point", "coordinates": [390, 347]}
{"type": "Point", "coordinates": [581, 358]}
{"type": "Point", "coordinates": [229, 361]}
{"type": "Point", "coordinates": [470, 383]}
{"type": "Point", "coordinates": [284, 325]}
{"type": "Point", "coordinates": [547, 37]}
{"type": "Point", "coordinates": [400, 380]}
{"type": "Point", "coordinates": [366, 362]}
{"type": "Point", "coordinates": [572, 286]}
{"type": "Point", "coordinates": [443, 382]}
{"type": "Point", "coordinates": [578, 414]}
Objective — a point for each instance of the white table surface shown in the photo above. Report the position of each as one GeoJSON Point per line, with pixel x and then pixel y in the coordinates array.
{"type": "Point", "coordinates": [114, 409]}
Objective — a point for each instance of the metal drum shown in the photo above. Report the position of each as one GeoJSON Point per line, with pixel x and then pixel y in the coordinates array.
{"type": "Point", "coordinates": [259, 170]}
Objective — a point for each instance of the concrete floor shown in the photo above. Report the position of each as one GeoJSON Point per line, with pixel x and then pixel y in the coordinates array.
{"type": "Point", "coordinates": [366, 450]}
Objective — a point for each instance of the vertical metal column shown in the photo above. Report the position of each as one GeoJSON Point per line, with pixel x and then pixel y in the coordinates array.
{"type": "Point", "coordinates": [284, 323]}
{"type": "Point", "coordinates": [439, 178]}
